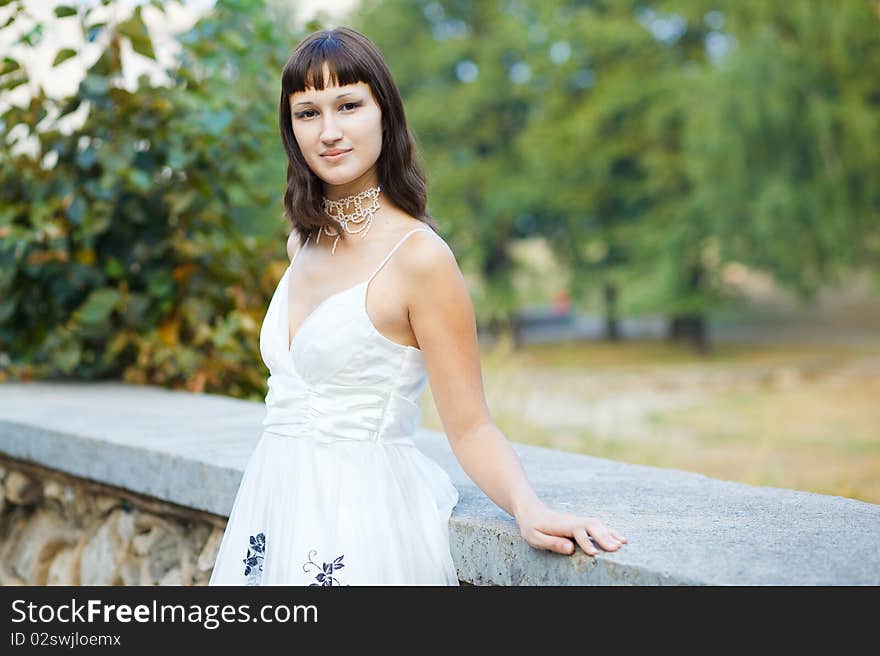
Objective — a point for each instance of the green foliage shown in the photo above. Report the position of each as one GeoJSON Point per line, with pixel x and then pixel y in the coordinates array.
{"type": "Point", "coordinates": [122, 251]}
{"type": "Point", "coordinates": [651, 143]}
{"type": "Point", "coordinates": [781, 147]}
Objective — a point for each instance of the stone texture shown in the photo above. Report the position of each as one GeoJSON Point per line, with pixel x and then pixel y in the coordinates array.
{"type": "Point", "coordinates": [162, 548]}
{"type": "Point", "coordinates": [102, 554]}
{"type": "Point", "coordinates": [42, 537]}
{"type": "Point", "coordinates": [208, 555]}
{"type": "Point", "coordinates": [64, 569]}
{"type": "Point", "coordinates": [172, 577]}
{"type": "Point", "coordinates": [21, 489]}
{"type": "Point", "coordinates": [105, 503]}
{"type": "Point", "coordinates": [130, 570]}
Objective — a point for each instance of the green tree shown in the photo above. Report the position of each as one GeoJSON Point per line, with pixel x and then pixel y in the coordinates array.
{"type": "Point", "coordinates": [781, 147]}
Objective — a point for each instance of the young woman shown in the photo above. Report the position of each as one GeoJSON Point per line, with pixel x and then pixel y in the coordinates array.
{"type": "Point", "coordinates": [372, 306]}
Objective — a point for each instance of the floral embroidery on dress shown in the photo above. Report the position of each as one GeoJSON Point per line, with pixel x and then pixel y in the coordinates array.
{"type": "Point", "coordinates": [253, 562]}
{"type": "Point", "coordinates": [325, 577]}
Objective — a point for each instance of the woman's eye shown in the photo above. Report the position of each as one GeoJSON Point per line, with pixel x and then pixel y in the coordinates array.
{"type": "Point", "coordinates": [306, 112]}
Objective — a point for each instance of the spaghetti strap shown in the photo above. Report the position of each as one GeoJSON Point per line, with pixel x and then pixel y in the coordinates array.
{"type": "Point", "coordinates": [299, 248]}
{"type": "Point", "coordinates": [396, 246]}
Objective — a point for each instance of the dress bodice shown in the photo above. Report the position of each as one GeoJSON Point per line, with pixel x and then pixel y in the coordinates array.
{"type": "Point", "coordinates": [339, 378]}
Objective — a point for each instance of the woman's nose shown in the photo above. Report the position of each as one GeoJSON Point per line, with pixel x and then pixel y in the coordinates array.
{"type": "Point", "coordinates": [330, 130]}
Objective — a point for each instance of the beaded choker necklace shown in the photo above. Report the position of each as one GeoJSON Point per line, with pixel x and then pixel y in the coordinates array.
{"type": "Point", "coordinates": [338, 211]}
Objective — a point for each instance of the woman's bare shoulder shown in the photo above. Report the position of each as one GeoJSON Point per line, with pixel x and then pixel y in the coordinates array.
{"type": "Point", "coordinates": [427, 252]}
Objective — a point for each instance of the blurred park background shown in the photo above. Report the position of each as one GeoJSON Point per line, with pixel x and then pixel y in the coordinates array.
{"type": "Point", "coordinates": [668, 212]}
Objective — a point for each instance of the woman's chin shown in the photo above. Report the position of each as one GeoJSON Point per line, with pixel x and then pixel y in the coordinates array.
{"type": "Point", "coordinates": [337, 178]}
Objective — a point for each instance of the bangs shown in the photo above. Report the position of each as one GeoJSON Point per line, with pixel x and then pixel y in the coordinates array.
{"type": "Point", "coordinates": [305, 69]}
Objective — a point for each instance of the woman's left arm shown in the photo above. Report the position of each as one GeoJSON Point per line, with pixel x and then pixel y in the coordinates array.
{"type": "Point", "coordinates": [442, 317]}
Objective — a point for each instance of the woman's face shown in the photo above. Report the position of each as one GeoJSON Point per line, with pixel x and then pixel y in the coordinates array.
{"type": "Point", "coordinates": [339, 131]}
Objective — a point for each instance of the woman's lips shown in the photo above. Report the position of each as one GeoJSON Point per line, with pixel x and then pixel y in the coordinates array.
{"type": "Point", "coordinates": [336, 157]}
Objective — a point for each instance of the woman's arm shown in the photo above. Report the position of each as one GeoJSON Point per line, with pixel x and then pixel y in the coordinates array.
{"type": "Point", "coordinates": [442, 317]}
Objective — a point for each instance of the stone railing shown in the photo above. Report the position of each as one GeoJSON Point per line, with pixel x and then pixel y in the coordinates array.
{"type": "Point", "coordinates": [114, 484]}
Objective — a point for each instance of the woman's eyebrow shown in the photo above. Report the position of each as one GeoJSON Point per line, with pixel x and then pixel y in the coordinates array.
{"type": "Point", "coordinates": [309, 102]}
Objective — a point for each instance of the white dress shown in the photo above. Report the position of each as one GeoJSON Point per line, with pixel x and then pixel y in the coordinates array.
{"type": "Point", "coordinates": [336, 492]}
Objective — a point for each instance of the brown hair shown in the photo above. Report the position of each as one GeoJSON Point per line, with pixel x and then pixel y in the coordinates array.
{"type": "Point", "coordinates": [350, 57]}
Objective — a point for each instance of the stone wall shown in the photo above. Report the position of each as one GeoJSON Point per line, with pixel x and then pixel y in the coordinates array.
{"type": "Point", "coordinates": [116, 483]}
{"type": "Point", "coordinates": [58, 530]}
